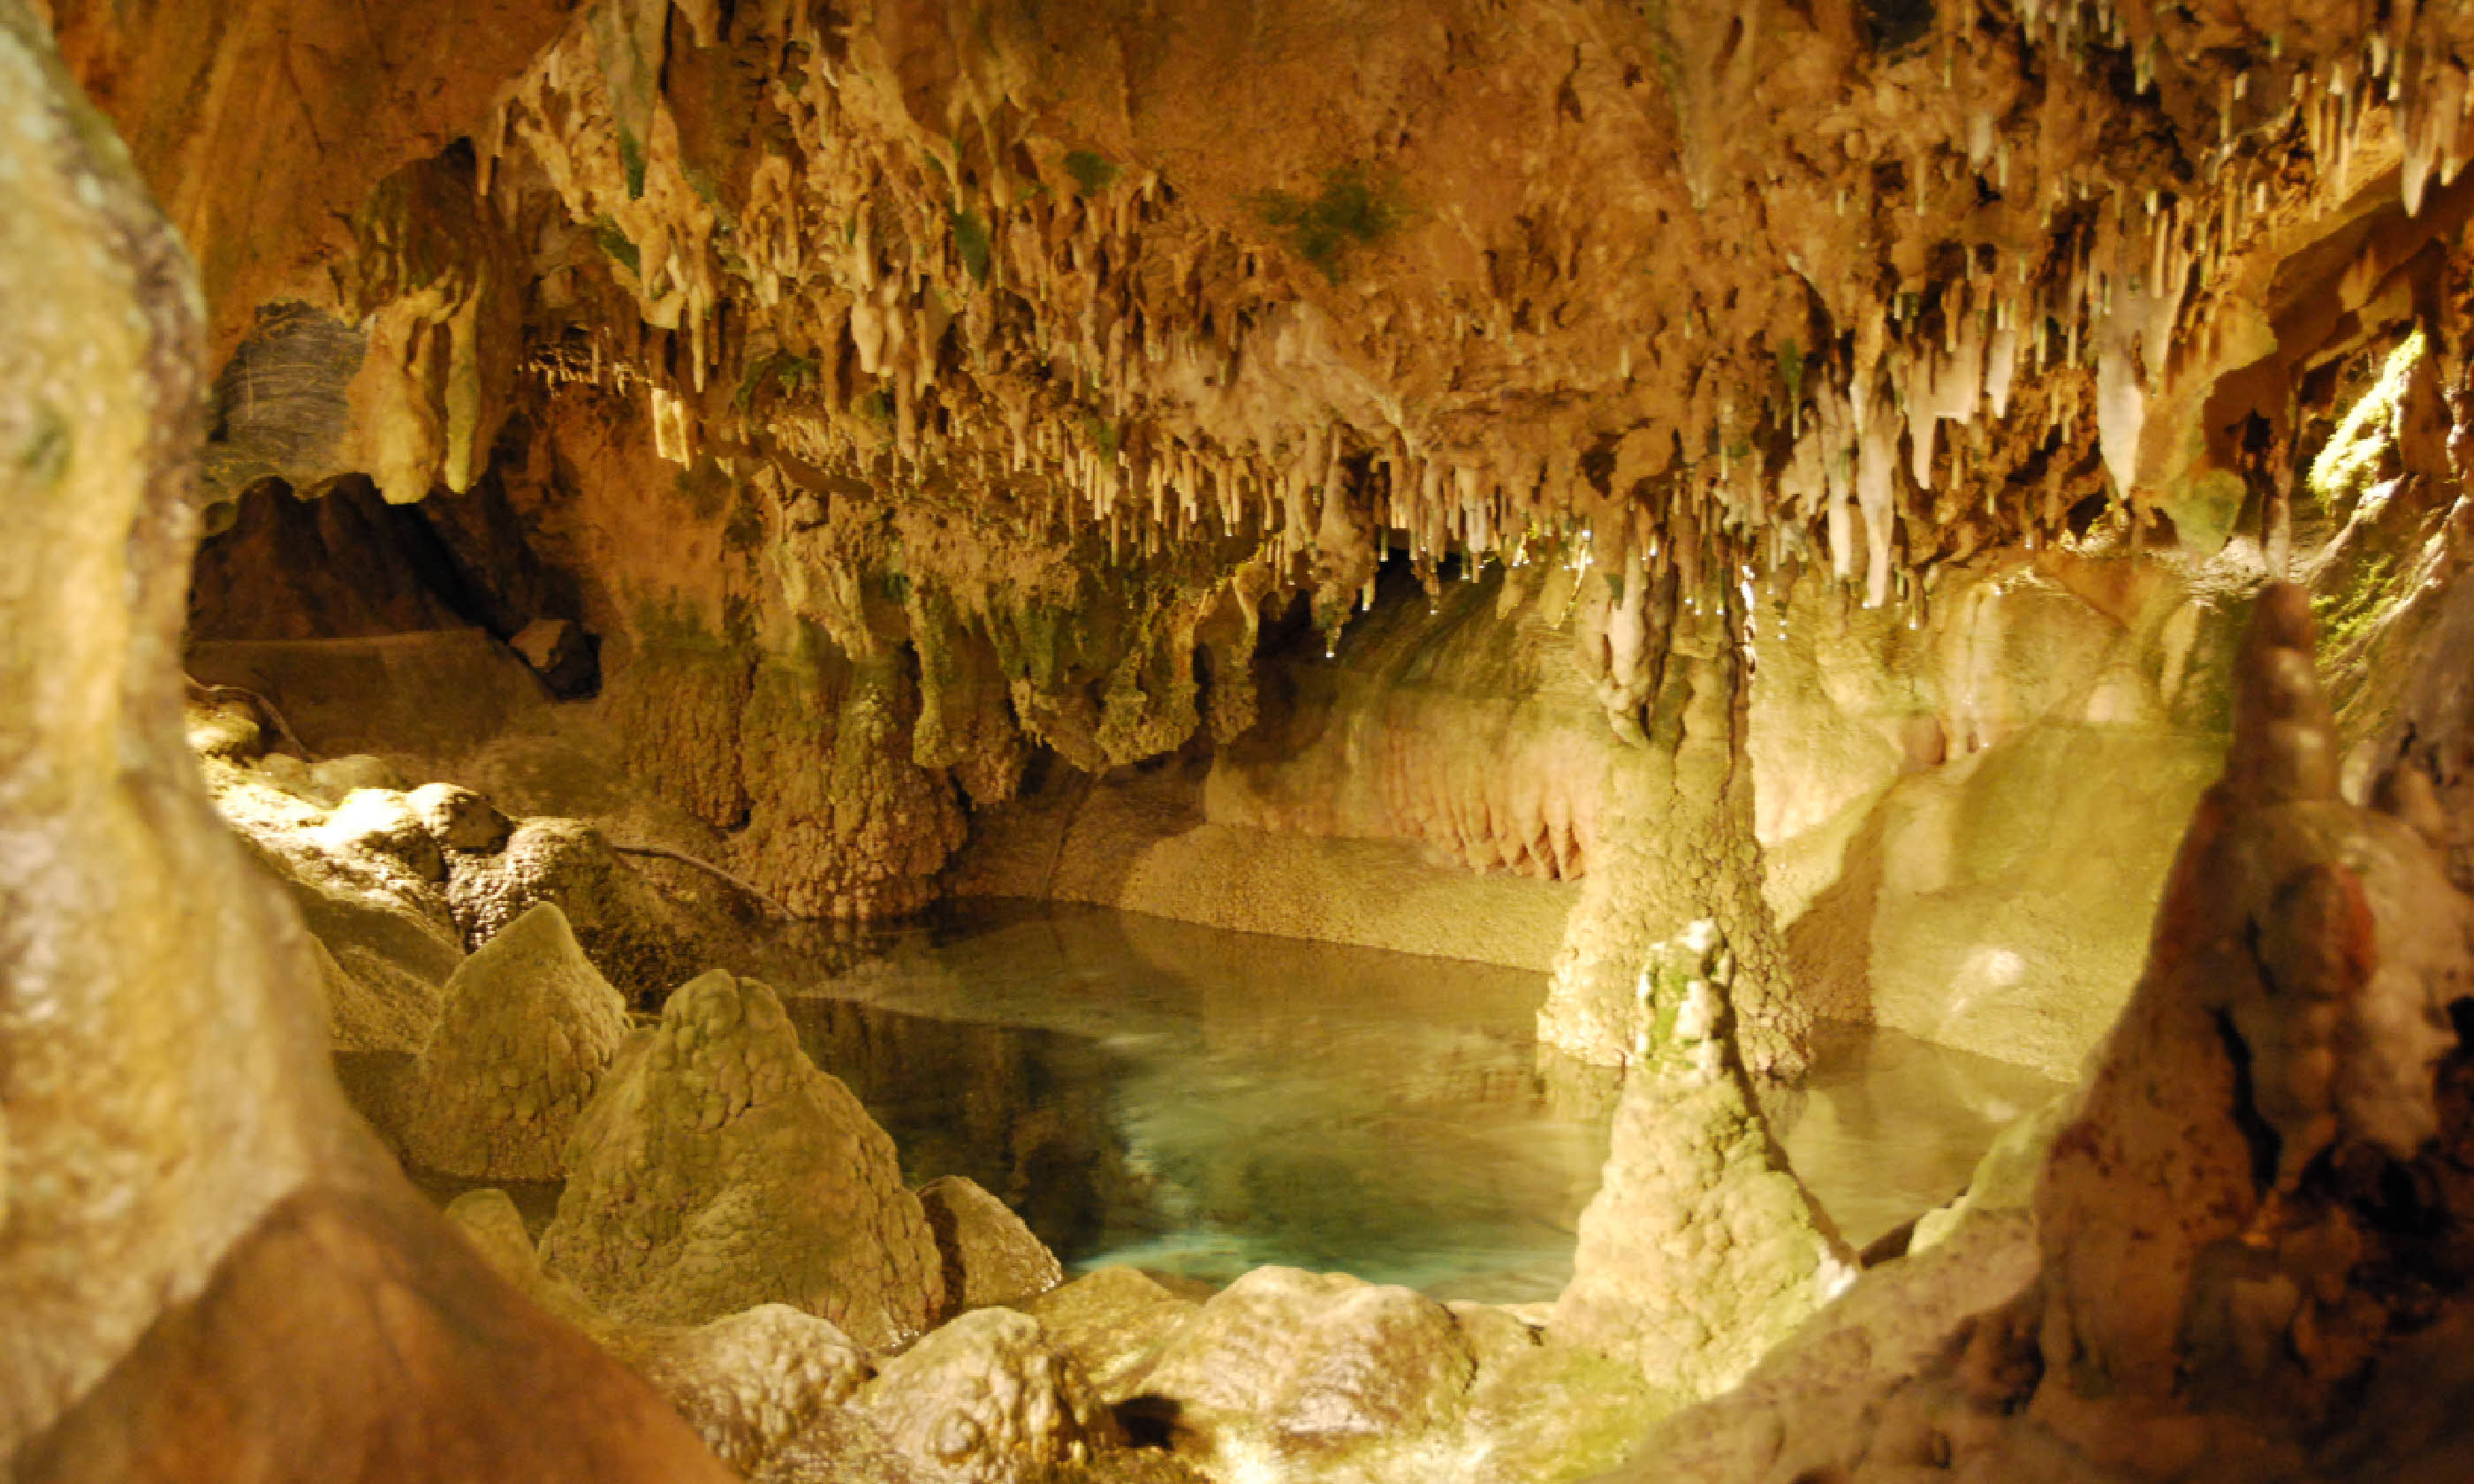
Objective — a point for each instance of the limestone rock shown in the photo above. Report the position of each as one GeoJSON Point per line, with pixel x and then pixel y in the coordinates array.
{"type": "Point", "coordinates": [561, 653]}
{"type": "Point", "coordinates": [211, 1272]}
{"type": "Point", "coordinates": [989, 1256]}
{"type": "Point", "coordinates": [1701, 1249]}
{"type": "Point", "coordinates": [388, 941]}
{"type": "Point", "coordinates": [363, 1017]}
{"type": "Point", "coordinates": [718, 1169]}
{"type": "Point", "coordinates": [624, 924]}
{"type": "Point", "coordinates": [986, 1400]}
{"type": "Point", "coordinates": [1288, 1364]}
{"type": "Point", "coordinates": [756, 1385]}
{"type": "Point", "coordinates": [383, 822]}
{"type": "Point", "coordinates": [459, 819]}
{"type": "Point", "coordinates": [1114, 1324]}
{"type": "Point", "coordinates": [752, 1383]}
{"type": "Point", "coordinates": [334, 780]}
{"type": "Point", "coordinates": [490, 1221]}
{"type": "Point", "coordinates": [228, 731]}
{"type": "Point", "coordinates": [528, 1031]}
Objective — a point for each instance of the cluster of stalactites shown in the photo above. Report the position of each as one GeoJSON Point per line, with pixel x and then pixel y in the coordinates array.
{"type": "Point", "coordinates": [919, 317]}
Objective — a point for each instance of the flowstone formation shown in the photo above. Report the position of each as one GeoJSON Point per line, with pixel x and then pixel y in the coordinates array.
{"type": "Point", "coordinates": [2249, 1225]}
{"type": "Point", "coordinates": [717, 1169]}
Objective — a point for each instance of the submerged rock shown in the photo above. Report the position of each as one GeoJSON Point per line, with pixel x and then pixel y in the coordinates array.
{"type": "Point", "coordinates": [989, 1256]}
{"type": "Point", "coordinates": [528, 1029]}
{"type": "Point", "coordinates": [718, 1169]}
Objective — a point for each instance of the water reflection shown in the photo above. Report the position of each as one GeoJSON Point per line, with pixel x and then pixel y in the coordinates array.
{"type": "Point", "coordinates": [1201, 1102]}
{"type": "Point", "coordinates": [1204, 1102]}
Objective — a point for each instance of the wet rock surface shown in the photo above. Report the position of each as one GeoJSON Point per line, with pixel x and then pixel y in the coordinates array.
{"type": "Point", "coordinates": [989, 1257]}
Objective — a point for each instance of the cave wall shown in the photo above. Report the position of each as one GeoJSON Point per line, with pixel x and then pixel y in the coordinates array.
{"type": "Point", "coordinates": [902, 400]}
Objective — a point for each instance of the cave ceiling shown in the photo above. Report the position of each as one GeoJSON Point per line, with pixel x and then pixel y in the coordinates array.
{"type": "Point", "coordinates": [1708, 286]}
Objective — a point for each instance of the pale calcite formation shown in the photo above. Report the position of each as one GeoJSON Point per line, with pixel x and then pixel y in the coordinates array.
{"type": "Point", "coordinates": [1676, 822]}
{"type": "Point", "coordinates": [1701, 1249]}
{"type": "Point", "coordinates": [529, 1027]}
{"type": "Point", "coordinates": [1289, 1370]}
{"type": "Point", "coordinates": [989, 1257]}
{"type": "Point", "coordinates": [717, 1169]}
{"type": "Point", "coordinates": [1114, 1324]}
{"type": "Point", "coordinates": [634, 937]}
{"type": "Point", "coordinates": [755, 1382]}
{"type": "Point", "coordinates": [1965, 826]}
{"type": "Point", "coordinates": [2246, 1258]}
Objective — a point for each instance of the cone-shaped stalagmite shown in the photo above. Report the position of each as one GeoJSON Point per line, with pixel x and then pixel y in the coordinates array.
{"type": "Point", "coordinates": [718, 1169]}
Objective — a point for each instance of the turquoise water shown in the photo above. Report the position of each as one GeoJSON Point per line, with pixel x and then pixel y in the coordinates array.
{"type": "Point", "coordinates": [1199, 1101]}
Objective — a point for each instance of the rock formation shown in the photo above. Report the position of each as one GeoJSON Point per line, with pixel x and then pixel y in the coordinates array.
{"type": "Point", "coordinates": [1701, 1249]}
{"type": "Point", "coordinates": [986, 1400]}
{"type": "Point", "coordinates": [1284, 1364]}
{"type": "Point", "coordinates": [1771, 492]}
{"type": "Point", "coordinates": [717, 1169]}
{"type": "Point", "coordinates": [756, 1383]}
{"type": "Point", "coordinates": [209, 1273]}
{"type": "Point", "coordinates": [989, 1257]}
{"type": "Point", "coordinates": [528, 1031]}
{"type": "Point", "coordinates": [2246, 1229]}
{"type": "Point", "coordinates": [624, 926]}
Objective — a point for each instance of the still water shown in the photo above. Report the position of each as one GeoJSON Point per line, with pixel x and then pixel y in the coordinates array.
{"type": "Point", "coordinates": [1202, 1102]}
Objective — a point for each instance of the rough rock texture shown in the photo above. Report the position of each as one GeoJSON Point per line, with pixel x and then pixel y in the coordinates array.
{"type": "Point", "coordinates": [1286, 1365]}
{"type": "Point", "coordinates": [1114, 1324]}
{"type": "Point", "coordinates": [1678, 821]}
{"type": "Point", "coordinates": [718, 1169]}
{"type": "Point", "coordinates": [1966, 826]}
{"type": "Point", "coordinates": [784, 1395]}
{"type": "Point", "coordinates": [528, 1031]}
{"type": "Point", "coordinates": [627, 929]}
{"type": "Point", "coordinates": [210, 1273]}
{"type": "Point", "coordinates": [2247, 1230]}
{"type": "Point", "coordinates": [752, 1383]}
{"type": "Point", "coordinates": [1701, 1249]}
{"type": "Point", "coordinates": [989, 1257]}
{"type": "Point", "coordinates": [986, 1400]}
{"type": "Point", "coordinates": [913, 404]}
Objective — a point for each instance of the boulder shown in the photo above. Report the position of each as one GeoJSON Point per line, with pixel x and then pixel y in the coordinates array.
{"type": "Point", "coordinates": [459, 819]}
{"type": "Point", "coordinates": [1303, 1366]}
{"type": "Point", "coordinates": [1114, 1324]}
{"type": "Point", "coordinates": [528, 1031]}
{"type": "Point", "coordinates": [753, 1383]}
{"type": "Point", "coordinates": [718, 1169]}
{"type": "Point", "coordinates": [987, 1401]}
{"type": "Point", "coordinates": [624, 925]}
{"type": "Point", "coordinates": [989, 1256]}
